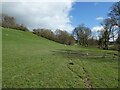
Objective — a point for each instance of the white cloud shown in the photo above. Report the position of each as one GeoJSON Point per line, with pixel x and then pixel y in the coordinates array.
{"type": "Point", "coordinates": [99, 18]}
{"type": "Point", "coordinates": [96, 33]}
{"type": "Point", "coordinates": [115, 33]}
{"type": "Point", "coordinates": [45, 14]}
{"type": "Point", "coordinates": [97, 28]}
{"type": "Point", "coordinates": [36, 0]}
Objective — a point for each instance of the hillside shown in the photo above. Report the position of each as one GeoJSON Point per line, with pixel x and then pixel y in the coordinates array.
{"type": "Point", "coordinates": [0, 58]}
{"type": "Point", "coordinates": [32, 61]}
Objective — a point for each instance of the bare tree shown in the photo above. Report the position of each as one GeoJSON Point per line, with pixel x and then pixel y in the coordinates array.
{"type": "Point", "coordinates": [115, 13]}
{"type": "Point", "coordinates": [107, 32]}
{"type": "Point", "coordinates": [82, 33]}
{"type": "Point", "coordinates": [110, 24]}
{"type": "Point", "coordinates": [8, 21]}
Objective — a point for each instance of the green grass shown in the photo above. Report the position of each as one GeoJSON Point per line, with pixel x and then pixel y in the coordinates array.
{"type": "Point", "coordinates": [0, 58]}
{"type": "Point", "coordinates": [30, 61]}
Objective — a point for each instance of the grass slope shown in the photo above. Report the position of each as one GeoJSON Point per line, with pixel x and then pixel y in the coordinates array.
{"type": "Point", "coordinates": [31, 61]}
{"type": "Point", "coordinates": [0, 58]}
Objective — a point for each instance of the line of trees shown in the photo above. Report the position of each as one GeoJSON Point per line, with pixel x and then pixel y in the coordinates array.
{"type": "Point", "coordinates": [59, 36]}
{"type": "Point", "coordinates": [10, 22]}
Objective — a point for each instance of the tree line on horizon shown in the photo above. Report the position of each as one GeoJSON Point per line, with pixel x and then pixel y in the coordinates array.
{"type": "Point", "coordinates": [59, 36]}
{"type": "Point", "coordinates": [10, 22]}
{"type": "Point", "coordinates": [81, 35]}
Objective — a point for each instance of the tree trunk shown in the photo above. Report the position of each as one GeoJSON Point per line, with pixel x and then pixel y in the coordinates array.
{"type": "Point", "coordinates": [106, 43]}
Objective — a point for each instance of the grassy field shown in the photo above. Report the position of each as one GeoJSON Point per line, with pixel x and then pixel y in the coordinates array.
{"type": "Point", "coordinates": [0, 58]}
{"type": "Point", "coordinates": [35, 62]}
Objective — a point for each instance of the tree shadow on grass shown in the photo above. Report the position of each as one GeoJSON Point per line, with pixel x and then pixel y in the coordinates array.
{"type": "Point", "coordinates": [84, 55]}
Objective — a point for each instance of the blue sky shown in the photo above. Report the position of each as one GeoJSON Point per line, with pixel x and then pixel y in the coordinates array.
{"type": "Point", "coordinates": [87, 12]}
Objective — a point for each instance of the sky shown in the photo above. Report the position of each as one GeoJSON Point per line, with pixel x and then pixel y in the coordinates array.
{"type": "Point", "coordinates": [64, 14]}
{"type": "Point", "coordinates": [89, 13]}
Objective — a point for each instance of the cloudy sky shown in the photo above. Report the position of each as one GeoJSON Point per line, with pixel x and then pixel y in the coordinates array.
{"type": "Point", "coordinates": [45, 14]}
{"type": "Point", "coordinates": [64, 14]}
